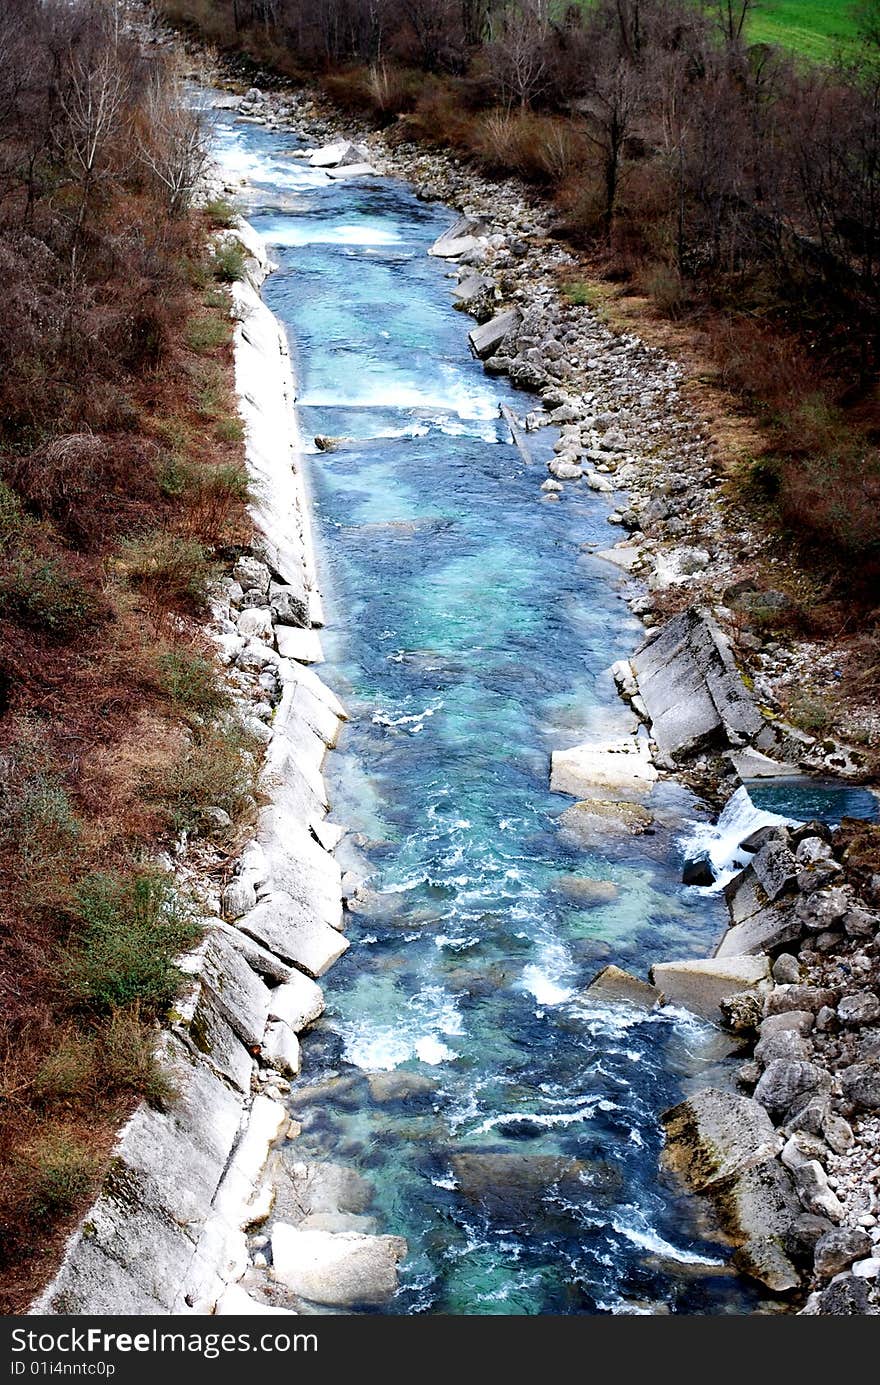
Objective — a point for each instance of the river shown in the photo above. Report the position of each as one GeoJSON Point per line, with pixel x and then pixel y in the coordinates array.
{"type": "Point", "coordinates": [508, 1127]}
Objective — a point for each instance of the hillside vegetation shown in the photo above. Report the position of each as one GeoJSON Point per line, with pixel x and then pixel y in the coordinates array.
{"type": "Point", "coordinates": [121, 484]}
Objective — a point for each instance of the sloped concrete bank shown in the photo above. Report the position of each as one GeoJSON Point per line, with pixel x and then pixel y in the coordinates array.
{"type": "Point", "coordinates": [167, 1235]}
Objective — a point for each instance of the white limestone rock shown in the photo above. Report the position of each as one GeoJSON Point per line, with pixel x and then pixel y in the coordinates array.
{"type": "Point", "coordinates": [340, 1269]}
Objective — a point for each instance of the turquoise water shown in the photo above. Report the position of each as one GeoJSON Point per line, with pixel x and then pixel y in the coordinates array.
{"type": "Point", "coordinates": [469, 634]}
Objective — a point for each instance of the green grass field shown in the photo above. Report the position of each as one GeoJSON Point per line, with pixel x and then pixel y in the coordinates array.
{"type": "Point", "coordinates": [817, 29]}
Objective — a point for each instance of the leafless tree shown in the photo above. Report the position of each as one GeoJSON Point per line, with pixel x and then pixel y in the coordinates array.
{"type": "Point", "coordinates": [173, 146]}
{"type": "Point", "coordinates": [519, 53]}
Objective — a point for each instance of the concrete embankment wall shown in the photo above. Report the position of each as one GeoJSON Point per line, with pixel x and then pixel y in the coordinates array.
{"type": "Point", "coordinates": [167, 1233]}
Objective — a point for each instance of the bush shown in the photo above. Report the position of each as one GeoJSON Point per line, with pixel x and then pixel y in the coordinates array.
{"type": "Point", "coordinates": [171, 569]}
{"type": "Point", "coordinates": [227, 262]}
{"type": "Point", "coordinates": [43, 595]}
{"type": "Point", "coordinates": [127, 1059]}
{"type": "Point", "coordinates": [13, 520]}
{"type": "Point", "coordinates": [40, 822]}
{"type": "Point", "coordinates": [205, 333]}
{"type": "Point", "coordinates": [69, 1069]}
{"type": "Point", "coordinates": [128, 931]}
{"type": "Point", "coordinates": [62, 1169]}
{"type": "Point", "coordinates": [229, 429]}
{"type": "Point", "coordinates": [811, 713]}
{"type": "Point", "coordinates": [221, 212]}
{"type": "Point", "coordinates": [666, 287]}
{"type": "Point", "coordinates": [216, 501]}
{"type": "Point", "coordinates": [217, 769]}
{"type": "Point", "coordinates": [190, 683]}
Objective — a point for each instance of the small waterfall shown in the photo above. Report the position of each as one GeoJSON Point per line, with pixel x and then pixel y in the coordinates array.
{"type": "Point", "coordinates": [720, 842]}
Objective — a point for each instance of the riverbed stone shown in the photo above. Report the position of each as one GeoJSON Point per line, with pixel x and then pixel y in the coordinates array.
{"type": "Point", "coordinates": [587, 892]}
{"type": "Point", "coordinates": [339, 1269]}
{"type": "Point", "coordinates": [594, 819]}
{"type": "Point", "coordinates": [624, 764]}
{"type": "Point", "coordinates": [614, 985]}
{"type": "Point", "coordinates": [700, 984]}
{"type": "Point", "coordinates": [858, 1008]}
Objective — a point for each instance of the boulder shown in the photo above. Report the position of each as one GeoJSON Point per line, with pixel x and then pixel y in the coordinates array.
{"type": "Point", "coordinates": [614, 985]}
{"type": "Point", "coordinates": [461, 238]}
{"type": "Point", "coordinates": [698, 870]}
{"type": "Point", "coordinates": [783, 999]}
{"type": "Point", "coordinates": [714, 1134]}
{"type": "Point", "coordinates": [352, 170]}
{"type": "Point", "coordinates": [815, 1192]}
{"type": "Point", "coordinates": [691, 688]}
{"type": "Point", "coordinates": [622, 764]}
{"type": "Point", "coordinates": [763, 931]}
{"type": "Point", "coordinates": [281, 1049]}
{"type": "Point", "coordinates": [334, 155]}
{"type": "Point", "coordinates": [858, 1008]}
{"type": "Point", "coordinates": [786, 1081]}
{"type": "Point", "coordinates": [339, 1269]}
{"type": "Point", "coordinates": [787, 1044]}
{"type": "Point", "coordinates": [238, 993]}
{"type": "Point", "coordinates": [298, 1002]}
{"type": "Point", "coordinates": [776, 869]}
{"type": "Point", "coordinates": [300, 644]}
{"type": "Point", "coordinates": [861, 1084]}
{"type": "Point", "coordinates": [511, 1186]}
{"type": "Point", "coordinates": [723, 1145]}
{"type": "Point", "coordinates": [801, 1021]}
{"type": "Point", "coordinates": [587, 892]}
{"type": "Point", "coordinates": [836, 1250]}
{"type": "Point", "coordinates": [485, 340]}
{"type": "Point", "coordinates": [280, 925]}
{"type": "Point", "coordinates": [700, 985]}
{"type": "Point", "coordinates": [846, 1296]}
{"type": "Point", "coordinates": [399, 1085]}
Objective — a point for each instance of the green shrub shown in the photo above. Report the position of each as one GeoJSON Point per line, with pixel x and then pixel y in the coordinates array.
{"type": "Point", "coordinates": [42, 822]}
{"type": "Point", "coordinates": [227, 262]}
{"type": "Point", "coordinates": [43, 595]}
{"type": "Point", "coordinates": [218, 769]}
{"type": "Point", "coordinates": [229, 429]}
{"type": "Point", "coordinates": [13, 520]}
{"type": "Point", "coordinates": [172, 569]}
{"type": "Point", "coordinates": [127, 1059]}
{"type": "Point", "coordinates": [190, 683]}
{"type": "Point", "coordinates": [580, 295]}
{"type": "Point", "coordinates": [221, 212]}
{"type": "Point", "coordinates": [204, 334]}
{"type": "Point", "coordinates": [69, 1069]}
{"type": "Point", "coordinates": [810, 712]}
{"type": "Point", "coordinates": [129, 930]}
{"type": "Point", "coordinates": [62, 1171]}
{"type": "Point", "coordinates": [174, 477]}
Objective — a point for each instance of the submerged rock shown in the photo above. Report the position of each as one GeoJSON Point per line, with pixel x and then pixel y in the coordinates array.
{"type": "Point", "coordinates": [614, 984]}
{"type": "Point", "coordinates": [595, 818]}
